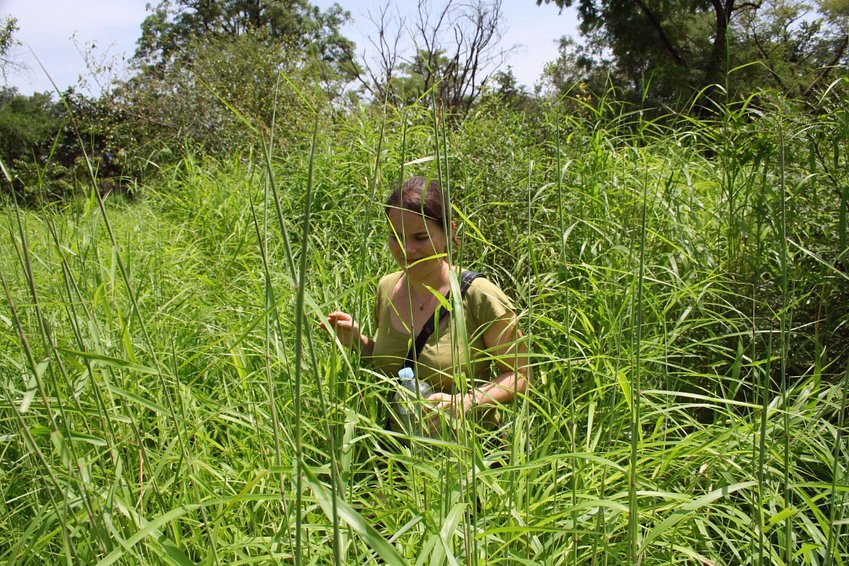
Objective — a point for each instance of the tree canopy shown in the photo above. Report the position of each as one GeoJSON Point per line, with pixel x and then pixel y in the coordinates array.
{"type": "Point", "coordinates": [207, 70]}
{"type": "Point", "coordinates": [8, 27]}
{"type": "Point", "coordinates": [169, 32]}
{"type": "Point", "coordinates": [682, 47]}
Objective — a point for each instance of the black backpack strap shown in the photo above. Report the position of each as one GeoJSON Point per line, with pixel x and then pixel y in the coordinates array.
{"type": "Point", "coordinates": [466, 278]}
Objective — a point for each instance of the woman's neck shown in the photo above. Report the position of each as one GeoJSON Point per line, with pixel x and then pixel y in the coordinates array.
{"type": "Point", "coordinates": [436, 278]}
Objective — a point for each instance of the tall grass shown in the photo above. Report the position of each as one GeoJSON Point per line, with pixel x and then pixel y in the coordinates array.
{"type": "Point", "coordinates": [169, 397]}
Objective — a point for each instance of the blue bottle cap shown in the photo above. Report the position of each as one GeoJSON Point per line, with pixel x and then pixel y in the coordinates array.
{"type": "Point", "coordinates": [406, 373]}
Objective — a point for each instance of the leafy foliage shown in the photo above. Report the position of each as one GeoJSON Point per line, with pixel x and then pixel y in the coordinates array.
{"type": "Point", "coordinates": [35, 146]}
{"type": "Point", "coordinates": [211, 77]}
{"type": "Point", "coordinates": [8, 27]}
{"type": "Point", "coordinates": [27, 125]}
{"type": "Point", "coordinates": [672, 50]}
{"type": "Point", "coordinates": [172, 32]}
{"type": "Point", "coordinates": [224, 99]}
{"type": "Point", "coordinates": [166, 396]}
{"type": "Point", "coordinates": [214, 76]}
{"type": "Point", "coordinates": [54, 150]}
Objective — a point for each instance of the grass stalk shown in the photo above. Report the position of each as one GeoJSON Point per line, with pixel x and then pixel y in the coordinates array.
{"type": "Point", "coordinates": [60, 434]}
{"type": "Point", "coordinates": [561, 171]}
{"type": "Point", "coordinates": [298, 357]}
{"type": "Point", "coordinates": [272, 319]}
{"type": "Point", "coordinates": [836, 501]}
{"type": "Point", "coordinates": [783, 330]}
{"type": "Point", "coordinates": [636, 393]}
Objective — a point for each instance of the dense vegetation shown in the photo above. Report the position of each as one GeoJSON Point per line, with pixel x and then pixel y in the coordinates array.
{"type": "Point", "coordinates": [168, 396]}
{"type": "Point", "coordinates": [681, 47]}
{"type": "Point", "coordinates": [202, 68]}
{"type": "Point", "coordinates": [169, 249]}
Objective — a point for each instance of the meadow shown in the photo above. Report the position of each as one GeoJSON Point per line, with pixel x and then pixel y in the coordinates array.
{"type": "Point", "coordinates": [168, 395]}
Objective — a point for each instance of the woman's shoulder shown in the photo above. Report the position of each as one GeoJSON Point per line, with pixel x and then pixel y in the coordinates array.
{"type": "Point", "coordinates": [388, 281]}
{"type": "Point", "coordinates": [485, 295]}
{"type": "Point", "coordinates": [481, 283]}
{"type": "Point", "coordinates": [387, 284]}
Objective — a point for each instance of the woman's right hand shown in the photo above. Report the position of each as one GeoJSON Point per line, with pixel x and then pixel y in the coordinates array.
{"type": "Point", "coordinates": [346, 329]}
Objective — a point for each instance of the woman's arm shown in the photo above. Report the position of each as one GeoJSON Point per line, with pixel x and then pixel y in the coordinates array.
{"type": "Point", "coordinates": [503, 340]}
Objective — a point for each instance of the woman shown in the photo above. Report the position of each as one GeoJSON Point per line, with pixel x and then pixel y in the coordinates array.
{"type": "Point", "coordinates": [495, 357]}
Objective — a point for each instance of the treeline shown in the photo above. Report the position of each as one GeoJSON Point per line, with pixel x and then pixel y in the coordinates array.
{"type": "Point", "coordinates": [228, 76]}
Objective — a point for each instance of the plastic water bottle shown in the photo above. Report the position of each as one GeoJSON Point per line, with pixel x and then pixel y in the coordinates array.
{"type": "Point", "coordinates": [408, 398]}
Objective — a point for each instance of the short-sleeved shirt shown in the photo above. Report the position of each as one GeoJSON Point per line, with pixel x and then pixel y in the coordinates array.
{"type": "Point", "coordinates": [443, 356]}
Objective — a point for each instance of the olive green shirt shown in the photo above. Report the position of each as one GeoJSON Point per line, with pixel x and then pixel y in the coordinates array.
{"type": "Point", "coordinates": [444, 357]}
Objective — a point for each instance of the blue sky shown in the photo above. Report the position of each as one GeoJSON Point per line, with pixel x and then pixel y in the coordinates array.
{"type": "Point", "coordinates": [59, 32]}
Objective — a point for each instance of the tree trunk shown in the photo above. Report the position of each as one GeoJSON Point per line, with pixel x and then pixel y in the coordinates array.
{"type": "Point", "coordinates": [716, 65]}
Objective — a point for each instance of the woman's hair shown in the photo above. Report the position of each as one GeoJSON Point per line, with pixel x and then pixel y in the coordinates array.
{"type": "Point", "coordinates": [422, 195]}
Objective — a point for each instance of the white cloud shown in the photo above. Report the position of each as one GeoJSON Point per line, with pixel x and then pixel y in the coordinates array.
{"type": "Point", "coordinates": [46, 29]}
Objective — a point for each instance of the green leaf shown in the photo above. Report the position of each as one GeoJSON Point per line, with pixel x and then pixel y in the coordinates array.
{"type": "Point", "coordinates": [155, 407]}
{"type": "Point", "coordinates": [110, 361]}
{"type": "Point", "coordinates": [447, 531]}
{"type": "Point", "coordinates": [172, 554]}
{"type": "Point", "coordinates": [82, 437]}
{"type": "Point", "coordinates": [624, 385]}
{"type": "Point", "coordinates": [353, 519]}
{"type": "Point", "coordinates": [688, 508]}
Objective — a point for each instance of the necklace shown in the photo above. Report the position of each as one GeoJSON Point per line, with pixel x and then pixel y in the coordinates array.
{"type": "Point", "coordinates": [425, 302]}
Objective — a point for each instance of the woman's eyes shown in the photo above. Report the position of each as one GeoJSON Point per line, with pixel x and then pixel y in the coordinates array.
{"type": "Point", "coordinates": [416, 237]}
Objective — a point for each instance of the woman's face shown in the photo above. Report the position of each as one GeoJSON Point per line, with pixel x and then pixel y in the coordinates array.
{"type": "Point", "coordinates": [417, 243]}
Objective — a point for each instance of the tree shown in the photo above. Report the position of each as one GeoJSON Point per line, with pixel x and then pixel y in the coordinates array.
{"type": "Point", "coordinates": [678, 45]}
{"type": "Point", "coordinates": [573, 70]}
{"type": "Point", "coordinates": [38, 146]}
{"type": "Point", "coordinates": [204, 102]}
{"type": "Point", "coordinates": [207, 68]}
{"type": "Point", "coordinates": [799, 49]}
{"type": "Point", "coordinates": [681, 47]}
{"type": "Point", "coordinates": [173, 29]}
{"type": "Point", "coordinates": [8, 27]}
{"type": "Point", "coordinates": [456, 49]}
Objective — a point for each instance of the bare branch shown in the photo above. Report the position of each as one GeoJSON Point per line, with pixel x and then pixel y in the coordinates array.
{"type": "Point", "coordinates": [380, 70]}
{"type": "Point", "coordinates": [455, 49]}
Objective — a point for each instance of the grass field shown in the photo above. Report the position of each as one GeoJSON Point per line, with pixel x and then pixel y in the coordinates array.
{"type": "Point", "coordinates": [168, 396]}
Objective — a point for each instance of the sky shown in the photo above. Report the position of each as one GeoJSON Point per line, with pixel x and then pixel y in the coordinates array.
{"type": "Point", "coordinates": [57, 35]}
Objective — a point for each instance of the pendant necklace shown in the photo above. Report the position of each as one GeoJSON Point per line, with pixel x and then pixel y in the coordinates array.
{"type": "Point", "coordinates": [425, 302]}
